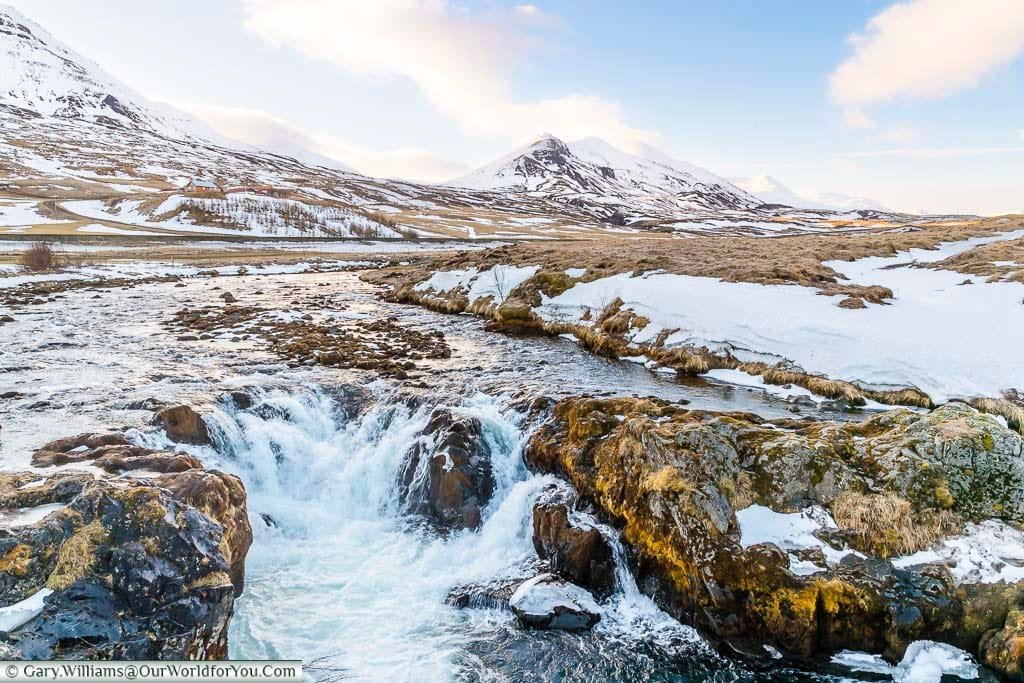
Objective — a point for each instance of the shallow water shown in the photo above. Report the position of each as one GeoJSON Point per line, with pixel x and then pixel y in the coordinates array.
{"type": "Point", "coordinates": [339, 573]}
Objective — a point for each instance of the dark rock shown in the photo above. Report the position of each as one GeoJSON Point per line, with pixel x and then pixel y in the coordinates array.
{"type": "Point", "coordinates": [578, 554]}
{"type": "Point", "coordinates": [183, 424]}
{"type": "Point", "coordinates": [135, 573]}
{"type": "Point", "coordinates": [241, 399]}
{"type": "Point", "coordinates": [547, 602]}
{"type": "Point", "coordinates": [448, 478]}
{"type": "Point", "coordinates": [490, 595]}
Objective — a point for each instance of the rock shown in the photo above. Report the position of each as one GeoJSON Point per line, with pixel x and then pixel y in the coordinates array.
{"type": "Point", "coordinates": [580, 555]}
{"type": "Point", "coordinates": [183, 424]}
{"type": "Point", "coordinates": [1003, 649]}
{"type": "Point", "coordinates": [127, 571]}
{"type": "Point", "coordinates": [674, 478]}
{"type": "Point", "coordinates": [448, 479]}
{"type": "Point", "coordinates": [493, 594]}
{"type": "Point", "coordinates": [220, 497]}
{"type": "Point", "coordinates": [241, 399]}
{"type": "Point", "coordinates": [111, 453]}
{"type": "Point", "coordinates": [145, 404]}
{"type": "Point", "coordinates": [548, 602]}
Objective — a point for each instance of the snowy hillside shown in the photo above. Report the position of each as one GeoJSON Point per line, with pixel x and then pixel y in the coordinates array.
{"type": "Point", "coordinates": [591, 169]}
{"type": "Point", "coordinates": [42, 76]}
{"type": "Point", "coordinates": [71, 131]}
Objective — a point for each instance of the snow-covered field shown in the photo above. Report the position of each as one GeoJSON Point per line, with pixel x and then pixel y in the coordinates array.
{"type": "Point", "coordinates": [22, 214]}
{"type": "Point", "coordinates": [938, 336]}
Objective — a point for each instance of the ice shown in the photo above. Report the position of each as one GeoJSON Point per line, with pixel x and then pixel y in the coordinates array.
{"type": "Point", "coordinates": [925, 661]}
{"type": "Point", "coordinates": [989, 552]}
{"type": "Point", "coordinates": [13, 616]}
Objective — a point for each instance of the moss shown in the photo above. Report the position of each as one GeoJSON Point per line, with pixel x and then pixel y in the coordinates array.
{"type": "Point", "coordinates": [77, 555]}
{"type": "Point", "coordinates": [16, 560]}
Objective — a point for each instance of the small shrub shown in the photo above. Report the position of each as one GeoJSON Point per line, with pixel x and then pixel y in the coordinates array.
{"type": "Point", "coordinates": [40, 256]}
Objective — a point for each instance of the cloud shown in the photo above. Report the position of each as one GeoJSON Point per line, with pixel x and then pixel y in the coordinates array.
{"type": "Point", "coordinates": [272, 133]}
{"type": "Point", "coordinates": [926, 153]}
{"type": "Point", "coordinates": [928, 49]}
{"type": "Point", "coordinates": [856, 118]}
{"type": "Point", "coordinates": [462, 62]}
{"type": "Point", "coordinates": [900, 133]}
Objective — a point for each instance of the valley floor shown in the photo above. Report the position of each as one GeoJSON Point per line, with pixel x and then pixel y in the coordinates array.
{"type": "Point", "coordinates": [771, 365]}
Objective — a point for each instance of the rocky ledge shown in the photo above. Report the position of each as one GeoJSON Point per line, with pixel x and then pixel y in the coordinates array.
{"type": "Point", "coordinates": [811, 538]}
{"type": "Point", "coordinates": [142, 561]}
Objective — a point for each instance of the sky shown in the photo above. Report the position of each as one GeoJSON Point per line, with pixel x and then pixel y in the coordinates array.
{"type": "Point", "coordinates": [918, 104]}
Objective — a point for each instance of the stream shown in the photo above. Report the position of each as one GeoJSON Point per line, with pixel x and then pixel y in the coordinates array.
{"type": "Point", "coordinates": [336, 572]}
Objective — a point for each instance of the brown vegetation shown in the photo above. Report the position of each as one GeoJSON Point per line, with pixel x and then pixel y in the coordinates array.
{"type": "Point", "coordinates": [40, 257]}
{"type": "Point", "coordinates": [886, 525]}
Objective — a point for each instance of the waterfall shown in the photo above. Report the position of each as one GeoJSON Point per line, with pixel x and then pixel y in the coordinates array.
{"type": "Point", "coordinates": [336, 570]}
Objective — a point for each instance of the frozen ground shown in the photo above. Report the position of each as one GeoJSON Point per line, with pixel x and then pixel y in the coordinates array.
{"type": "Point", "coordinates": [938, 336]}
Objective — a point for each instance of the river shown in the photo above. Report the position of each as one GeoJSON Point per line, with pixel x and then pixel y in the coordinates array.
{"type": "Point", "coordinates": [336, 571]}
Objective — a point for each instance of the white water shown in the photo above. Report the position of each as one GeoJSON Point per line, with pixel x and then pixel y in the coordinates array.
{"type": "Point", "coordinates": [344, 575]}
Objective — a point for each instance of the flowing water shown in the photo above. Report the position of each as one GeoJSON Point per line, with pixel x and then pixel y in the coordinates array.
{"type": "Point", "coordinates": [336, 571]}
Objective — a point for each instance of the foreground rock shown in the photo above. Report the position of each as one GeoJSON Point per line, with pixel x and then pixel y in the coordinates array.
{"type": "Point", "coordinates": [674, 479]}
{"type": "Point", "coordinates": [146, 567]}
{"type": "Point", "coordinates": [575, 552]}
{"type": "Point", "coordinates": [447, 476]}
{"type": "Point", "coordinates": [546, 601]}
{"type": "Point", "coordinates": [183, 425]}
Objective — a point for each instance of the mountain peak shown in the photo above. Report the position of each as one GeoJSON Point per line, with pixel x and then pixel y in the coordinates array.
{"type": "Point", "coordinates": [593, 167]}
{"type": "Point", "coordinates": [42, 76]}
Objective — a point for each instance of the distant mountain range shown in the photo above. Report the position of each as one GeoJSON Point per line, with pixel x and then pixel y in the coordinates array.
{"type": "Point", "coordinates": [771, 191]}
{"type": "Point", "coordinates": [70, 130]}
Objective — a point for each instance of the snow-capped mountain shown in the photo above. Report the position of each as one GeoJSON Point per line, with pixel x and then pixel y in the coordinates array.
{"type": "Point", "coordinates": [40, 75]}
{"type": "Point", "coordinates": [593, 169]}
{"type": "Point", "coordinates": [72, 133]}
{"type": "Point", "coordinates": [771, 191]}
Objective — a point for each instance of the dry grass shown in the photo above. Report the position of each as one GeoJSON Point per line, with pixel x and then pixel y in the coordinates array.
{"type": "Point", "coordinates": [785, 260]}
{"type": "Point", "coordinates": [1012, 411]}
{"type": "Point", "coordinates": [982, 261]}
{"type": "Point", "coordinates": [886, 525]}
{"type": "Point", "coordinates": [39, 257]}
{"type": "Point", "coordinates": [76, 555]}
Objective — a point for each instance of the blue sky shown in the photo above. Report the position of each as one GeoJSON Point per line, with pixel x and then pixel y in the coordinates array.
{"type": "Point", "coordinates": [925, 111]}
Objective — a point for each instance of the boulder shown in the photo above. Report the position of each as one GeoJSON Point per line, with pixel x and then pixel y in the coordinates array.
{"type": "Point", "coordinates": [124, 571]}
{"type": "Point", "coordinates": [447, 476]}
{"type": "Point", "coordinates": [1003, 649]}
{"type": "Point", "coordinates": [577, 553]}
{"type": "Point", "coordinates": [183, 424]}
{"type": "Point", "coordinates": [673, 480]}
{"type": "Point", "coordinates": [548, 602]}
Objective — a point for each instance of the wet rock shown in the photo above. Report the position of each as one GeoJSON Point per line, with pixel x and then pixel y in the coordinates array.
{"type": "Point", "coordinates": [447, 477]}
{"type": "Point", "coordinates": [548, 602]}
{"type": "Point", "coordinates": [579, 554]}
{"type": "Point", "coordinates": [1003, 649]}
{"type": "Point", "coordinates": [493, 594]}
{"type": "Point", "coordinates": [145, 404]}
{"type": "Point", "coordinates": [128, 569]}
{"type": "Point", "coordinates": [220, 497]}
{"type": "Point", "coordinates": [111, 453]}
{"type": "Point", "coordinates": [242, 400]}
{"type": "Point", "coordinates": [183, 424]}
{"type": "Point", "coordinates": [674, 478]}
